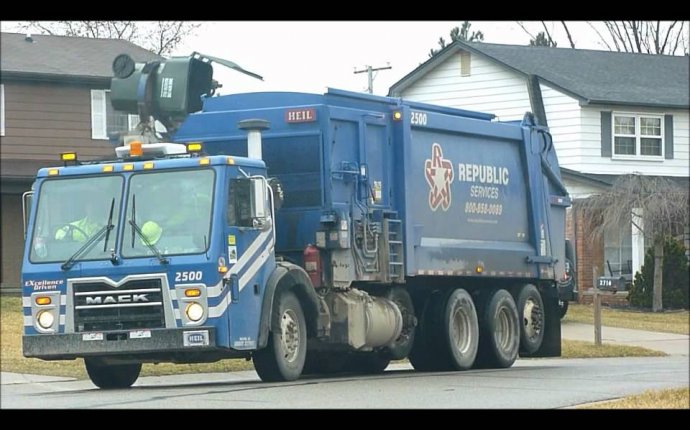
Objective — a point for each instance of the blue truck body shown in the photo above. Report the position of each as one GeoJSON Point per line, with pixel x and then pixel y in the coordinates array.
{"type": "Point", "coordinates": [392, 211]}
{"type": "Point", "coordinates": [502, 212]}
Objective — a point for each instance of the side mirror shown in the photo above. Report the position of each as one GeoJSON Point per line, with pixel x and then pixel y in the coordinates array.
{"type": "Point", "coordinates": [27, 199]}
{"type": "Point", "coordinates": [259, 199]}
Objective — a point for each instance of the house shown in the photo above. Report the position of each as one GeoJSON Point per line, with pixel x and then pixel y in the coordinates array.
{"type": "Point", "coordinates": [54, 97]}
{"type": "Point", "coordinates": [610, 113]}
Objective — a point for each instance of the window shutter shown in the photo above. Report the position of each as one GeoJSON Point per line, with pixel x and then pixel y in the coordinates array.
{"type": "Point", "coordinates": [2, 110]}
{"type": "Point", "coordinates": [606, 134]}
{"type": "Point", "coordinates": [668, 137]}
{"type": "Point", "coordinates": [98, 114]}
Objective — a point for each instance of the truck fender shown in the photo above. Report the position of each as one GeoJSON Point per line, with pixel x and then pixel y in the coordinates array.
{"type": "Point", "coordinates": [288, 276]}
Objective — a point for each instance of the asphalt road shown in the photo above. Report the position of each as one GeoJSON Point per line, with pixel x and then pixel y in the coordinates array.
{"type": "Point", "coordinates": [537, 383]}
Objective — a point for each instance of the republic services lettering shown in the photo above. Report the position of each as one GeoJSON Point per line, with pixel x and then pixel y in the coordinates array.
{"type": "Point", "coordinates": [483, 174]}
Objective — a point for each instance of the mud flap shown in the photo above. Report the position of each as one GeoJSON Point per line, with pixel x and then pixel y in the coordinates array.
{"type": "Point", "coordinates": [551, 345]}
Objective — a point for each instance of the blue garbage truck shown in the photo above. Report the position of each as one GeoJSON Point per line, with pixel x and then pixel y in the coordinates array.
{"type": "Point", "coordinates": [310, 233]}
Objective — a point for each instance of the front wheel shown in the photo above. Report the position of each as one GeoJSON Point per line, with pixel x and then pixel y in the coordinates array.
{"type": "Point", "coordinates": [112, 376]}
{"type": "Point", "coordinates": [284, 356]}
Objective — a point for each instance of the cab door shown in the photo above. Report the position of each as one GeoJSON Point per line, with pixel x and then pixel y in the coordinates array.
{"type": "Point", "coordinates": [250, 242]}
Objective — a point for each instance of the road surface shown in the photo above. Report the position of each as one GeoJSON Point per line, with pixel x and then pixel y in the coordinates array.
{"type": "Point", "coordinates": [535, 383]}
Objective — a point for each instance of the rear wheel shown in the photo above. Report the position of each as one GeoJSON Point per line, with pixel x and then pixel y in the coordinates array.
{"type": "Point", "coordinates": [531, 313]}
{"type": "Point", "coordinates": [450, 333]}
{"type": "Point", "coordinates": [499, 338]}
{"type": "Point", "coordinates": [461, 330]}
{"type": "Point", "coordinates": [425, 355]}
{"type": "Point", "coordinates": [112, 376]}
{"type": "Point", "coordinates": [284, 356]}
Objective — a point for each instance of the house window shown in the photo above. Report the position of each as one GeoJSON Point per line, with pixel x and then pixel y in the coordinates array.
{"type": "Point", "coordinates": [2, 110]}
{"type": "Point", "coordinates": [638, 136]}
{"type": "Point", "coordinates": [618, 251]}
{"type": "Point", "coordinates": [106, 120]}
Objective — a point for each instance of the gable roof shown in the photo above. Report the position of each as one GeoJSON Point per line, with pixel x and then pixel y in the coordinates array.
{"type": "Point", "coordinates": [64, 57]}
{"type": "Point", "coordinates": [597, 77]}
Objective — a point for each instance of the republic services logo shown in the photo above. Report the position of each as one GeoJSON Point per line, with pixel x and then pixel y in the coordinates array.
{"type": "Point", "coordinates": [439, 175]}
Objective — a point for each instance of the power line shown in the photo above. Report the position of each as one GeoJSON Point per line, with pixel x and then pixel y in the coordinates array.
{"type": "Point", "coordinates": [370, 75]}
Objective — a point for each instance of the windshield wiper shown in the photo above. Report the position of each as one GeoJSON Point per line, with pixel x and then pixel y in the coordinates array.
{"type": "Point", "coordinates": [135, 228]}
{"type": "Point", "coordinates": [151, 246]}
{"type": "Point", "coordinates": [86, 247]}
{"type": "Point", "coordinates": [110, 224]}
{"type": "Point", "coordinates": [89, 243]}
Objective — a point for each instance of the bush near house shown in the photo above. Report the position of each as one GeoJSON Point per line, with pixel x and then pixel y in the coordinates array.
{"type": "Point", "coordinates": [675, 286]}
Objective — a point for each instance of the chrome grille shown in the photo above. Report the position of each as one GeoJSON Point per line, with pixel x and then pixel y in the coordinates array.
{"type": "Point", "coordinates": [137, 304]}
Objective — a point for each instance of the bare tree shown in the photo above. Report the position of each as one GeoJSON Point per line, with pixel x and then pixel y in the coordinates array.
{"type": "Point", "coordinates": [160, 37]}
{"type": "Point", "coordinates": [659, 202]}
{"type": "Point", "coordinates": [644, 37]}
{"type": "Point", "coordinates": [567, 32]}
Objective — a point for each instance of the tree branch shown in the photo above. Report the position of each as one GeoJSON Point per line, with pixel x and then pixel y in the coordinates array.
{"type": "Point", "coordinates": [567, 32]}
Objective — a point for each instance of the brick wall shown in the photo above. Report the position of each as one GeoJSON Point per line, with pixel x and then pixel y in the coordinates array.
{"type": "Point", "coordinates": [589, 251]}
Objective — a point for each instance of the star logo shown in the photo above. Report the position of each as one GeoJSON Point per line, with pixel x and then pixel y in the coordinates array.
{"type": "Point", "coordinates": [439, 175]}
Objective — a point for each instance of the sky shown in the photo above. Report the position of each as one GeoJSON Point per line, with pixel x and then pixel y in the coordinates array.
{"type": "Point", "coordinates": [311, 56]}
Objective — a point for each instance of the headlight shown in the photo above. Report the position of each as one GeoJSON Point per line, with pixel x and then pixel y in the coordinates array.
{"type": "Point", "coordinates": [194, 311]}
{"type": "Point", "coordinates": [45, 319]}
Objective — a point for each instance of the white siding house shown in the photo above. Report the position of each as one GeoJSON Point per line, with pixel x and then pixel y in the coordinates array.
{"type": "Point", "coordinates": [488, 88]}
{"type": "Point", "coordinates": [609, 113]}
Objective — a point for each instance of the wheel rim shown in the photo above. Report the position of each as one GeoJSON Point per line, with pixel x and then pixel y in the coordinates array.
{"type": "Point", "coordinates": [289, 335]}
{"type": "Point", "coordinates": [461, 330]}
{"type": "Point", "coordinates": [503, 332]}
{"type": "Point", "coordinates": [532, 319]}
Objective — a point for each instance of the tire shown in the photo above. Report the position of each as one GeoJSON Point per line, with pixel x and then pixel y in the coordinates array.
{"type": "Point", "coordinates": [448, 334]}
{"type": "Point", "coordinates": [402, 346]}
{"type": "Point", "coordinates": [461, 330]}
{"type": "Point", "coordinates": [530, 308]}
{"type": "Point", "coordinates": [562, 308]}
{"type": "Point", "coordinates": [112, 376]}
{"type": "Point", "coordinates": [426, 355]}
{"type": "Point", "coordinates": [284, 356]}
{"type": "Point", "coordinates": [499, 338]}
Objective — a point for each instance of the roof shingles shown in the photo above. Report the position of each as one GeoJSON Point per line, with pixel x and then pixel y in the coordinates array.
{"type": "Point", "coordinates": [593, 76]}
{"type": "Point", "coordinates": [64, 55]}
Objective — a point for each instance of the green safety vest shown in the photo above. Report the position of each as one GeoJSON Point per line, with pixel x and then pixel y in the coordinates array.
{"type": "Point", "coordinates": [84, 224]}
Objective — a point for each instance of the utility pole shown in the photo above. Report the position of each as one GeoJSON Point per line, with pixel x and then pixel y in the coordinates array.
{"type": "Point", "coordinates": [370, 74]}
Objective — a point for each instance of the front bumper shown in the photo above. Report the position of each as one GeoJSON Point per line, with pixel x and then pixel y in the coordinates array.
{"type": "Point", "coordinates": [120, 343]}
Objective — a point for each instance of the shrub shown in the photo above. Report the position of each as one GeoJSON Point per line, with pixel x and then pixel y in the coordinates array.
{"type": "Point", "coordinates": [675, 286]}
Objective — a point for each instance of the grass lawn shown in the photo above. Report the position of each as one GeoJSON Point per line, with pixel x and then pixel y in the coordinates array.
{"type": "Point", "coordinates": [669, 321]}
{"type": "Point", "coordinates": [678, 398]}
{"type": "Point", "coordinates": [580, 349]}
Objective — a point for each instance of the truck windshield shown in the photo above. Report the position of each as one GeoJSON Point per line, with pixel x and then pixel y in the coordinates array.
{"type": "Point", "coordinates": [70, 212]}
{"type": "Point", "coordinates": [172, 211]}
